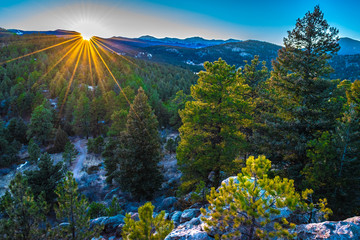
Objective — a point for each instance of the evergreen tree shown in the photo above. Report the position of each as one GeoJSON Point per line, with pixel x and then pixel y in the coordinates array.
{"type": "Point", "coordinates": [34, 151]}
{"type": "Point", "coordinates": [248, 207]}
{"type": "Point", "coordinates": [61, 139]}
{"type": "Point", "coordinates": [41, 126]}
{"type": "Point", "coordinates": [210, 135]}
{"type": "Point", "coordinates": [148, 227]}
{"type": "Point", "coordinates": [139, 150]}
{"type": "Point", "coordinates": [69, 154]}
{"type": "Point", "coordinates": [81, 116]}
{"type": "Point", "coordinates": [333, 169]}
{"type": "Point", "coordinates": [110, 155]}
{"type": "Point", "coordinates": [23, 215]}
{"type": "Point", "coordinates": [46, 177]}
{"type": "Point", "coordinates": [299, 96]}
{"type": "Point", "coordinates": [8, 149]}
{"type": "Point", "coordinates": [17, 129]}
{"type": "Point", "coordinates": [72, 208]}
{"type": "Point", "coordinates": [118, 125]}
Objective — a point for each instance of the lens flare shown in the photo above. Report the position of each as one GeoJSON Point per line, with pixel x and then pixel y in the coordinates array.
{"type": "Point", "coordinates": [86, 37]}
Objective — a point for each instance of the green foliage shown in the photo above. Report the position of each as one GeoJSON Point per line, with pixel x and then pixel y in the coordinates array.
{"type": "Point", "coordinates": [172, 144]}
{"type": "Point", "coordinates": [96, 145]}
{"type": "Point", "coordinates": [210, 135]}
{"type": "Point", "coordinates": [200, 193]}
{"type": "Point", "coordinates": [299, 100]}
{"type": "Point", "coordinates": [333, 169]}
{"type": "Point", "coordinates": [96, 210]}
{"type": "Point", "coordinates": [41, 126]}
{"type": "Point", "coordinates": [46, 177]}
{"type": "Point", "coordinates": [24, 217]}
{"type": "Point", "coordinates": [118, 125]}
{"type": "Point", "coordinates": [138, 153]}
{"type": "Point", "coordinates": [110, 160]}
{"type": "Point", "coordinates": [17, 129]}
{"type": "Point", "coordinates": [34, 151]}
{"type": "Point", "coordinates": [81, 116]}
{"type": "Point", "coordinates": [69, 154]}
{"type": "Point", "coordinates": [114, 208]}
{"type": "Point", "coordinates": [61, 139]}
{"type": "Point", "coordinates": [72, 208]}
{"type": "Point", "coordinates": [8, 148]}
{"type": "Point", "coordinates": [148, 227]}
{"type": "Point", "coordinates": [175, 105]}
{"type": "Point", "coordinates": [249, 205]}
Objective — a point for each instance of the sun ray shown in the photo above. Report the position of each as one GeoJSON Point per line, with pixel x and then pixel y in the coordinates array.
{"type": "Point", "coordinates": [38, 51]}
{"type": "Point", "coordinates": [72, 78]}
{"type": "Point", "coordinates": [117, 83]}
{"type": "Point", "coordinates": [96, 61]}
{"type": "Point", "coordinates": [95, 39]}
{"type": "Point", "coordinates": [73, 46]}
{"type": "Point", "coordinates": [90, 66]}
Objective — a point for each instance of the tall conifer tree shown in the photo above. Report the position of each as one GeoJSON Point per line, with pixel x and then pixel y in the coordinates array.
{"type": "Point", "coordinates": [210, 135]}
{"type": "Point", "coordinates": [139, 150]}
{"type": "Point", "coordinates": [300, 96]}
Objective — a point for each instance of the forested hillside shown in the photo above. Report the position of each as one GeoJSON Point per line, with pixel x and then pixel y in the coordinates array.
{"type": "Point", "coordinates": [89, 135]}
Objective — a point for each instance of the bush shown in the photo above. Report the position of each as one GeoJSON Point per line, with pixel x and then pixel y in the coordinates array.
{"type": "Point", "coordinates": [96, 145]}
{"type": "Point", "coordinates": [250, 204]}
{"type": "Point", "coordinates": [147, 227]}
{"type": "Point", "coordinates": [96, 210]}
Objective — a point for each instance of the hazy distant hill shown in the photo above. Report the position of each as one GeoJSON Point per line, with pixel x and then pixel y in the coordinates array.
{"type": "Point", "coordinates": [193, 52]}
{"type": "Point", "coordinates": [5, 33]}
{"type": "Point", "coordinates": [349, 46]}
{"type": "Point", "coordinates": [193, 42]}
{"type": "Point", "coordinates": [57, 32]}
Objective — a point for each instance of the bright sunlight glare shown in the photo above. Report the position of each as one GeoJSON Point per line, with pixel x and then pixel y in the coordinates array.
{"type": "Point", "coordinates": [86, 36]}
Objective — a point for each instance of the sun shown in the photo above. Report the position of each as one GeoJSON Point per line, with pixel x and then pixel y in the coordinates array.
{"type": "Point", "coordinates": [86, 37]}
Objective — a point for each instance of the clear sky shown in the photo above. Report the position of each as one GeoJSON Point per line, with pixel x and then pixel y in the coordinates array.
{"type": "Point", "coordinates": [220, 19]}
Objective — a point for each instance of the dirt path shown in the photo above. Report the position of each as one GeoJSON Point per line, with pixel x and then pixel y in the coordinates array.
{"type": "Point", "coordinates": [81, 147]}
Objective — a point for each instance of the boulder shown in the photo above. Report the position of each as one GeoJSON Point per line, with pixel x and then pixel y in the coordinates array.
{"type": "Point", "coordinates": [189, 214]}
{"type": "Point", "coordinates": [346, 229]}
{"type": "Point", "coordinates": [191, 230]}
{"type": "Point", "coordinates": [167, 203]}
{"type": "Point", "coordinates": [175, 217]}
{"type": "Point", "coordinates": [110, 223]}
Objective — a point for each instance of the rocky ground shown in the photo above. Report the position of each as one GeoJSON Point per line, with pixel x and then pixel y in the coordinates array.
{"type": "Point", "coordinates": [89, 172]}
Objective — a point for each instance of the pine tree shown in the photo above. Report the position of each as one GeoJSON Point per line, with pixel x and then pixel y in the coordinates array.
{"type": "Point", "coordinates": [139, 150]}
{"type": "Point", "coordinates": [249, 205]}
{"type": "Point", "coordinates": [81, 116]}
{"type": "Point", "coordinates": [46, 178]}
{"type": "Point", "coordinates": [23, 215]}
{"type": "Point", "coordinates": [299, 96]}
{"type": "Point", "coordinates": [148, 227]}
{"type": "Point", "coordinates": [110, 155]}
{"type": "Point", "coordinates": [41, 126]}
{"type": "Point", "coordinates": [72, 208]}
{"type": "Point", "coordinates": [34, 151]}
{"type": "Point", "coordinates": [8, 149]}
{"type": "Point", "coordinates": [210, 135]}
{"type": "Point", "coordinates": [333, 169]}
{"type": "Point", "coordinates": [69, 153]}
{"type": "Point", "coordinates": [61, 138]}
{"type": "Point", "coordinates": [17, 128]}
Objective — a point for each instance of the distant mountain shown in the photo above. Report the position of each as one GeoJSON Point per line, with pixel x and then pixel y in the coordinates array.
{"type": "Point", "coordinates": [193, 52]}
{"type": "Point", "coordinates": [193, 42]}
{"type": "Point", "coordinates": [57, 32]}
{"type": "Point", "coordinates": [5, 33]}
{"type": "Point", "coordinates": [349, 46]}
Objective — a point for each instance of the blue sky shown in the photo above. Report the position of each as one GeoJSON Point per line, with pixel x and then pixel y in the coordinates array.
{"type": "Point", "coordinates": [261, 20]}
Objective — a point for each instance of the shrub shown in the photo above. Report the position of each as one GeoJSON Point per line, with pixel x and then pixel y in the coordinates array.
{"type": "Point", "coordinates": [148, 227]}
